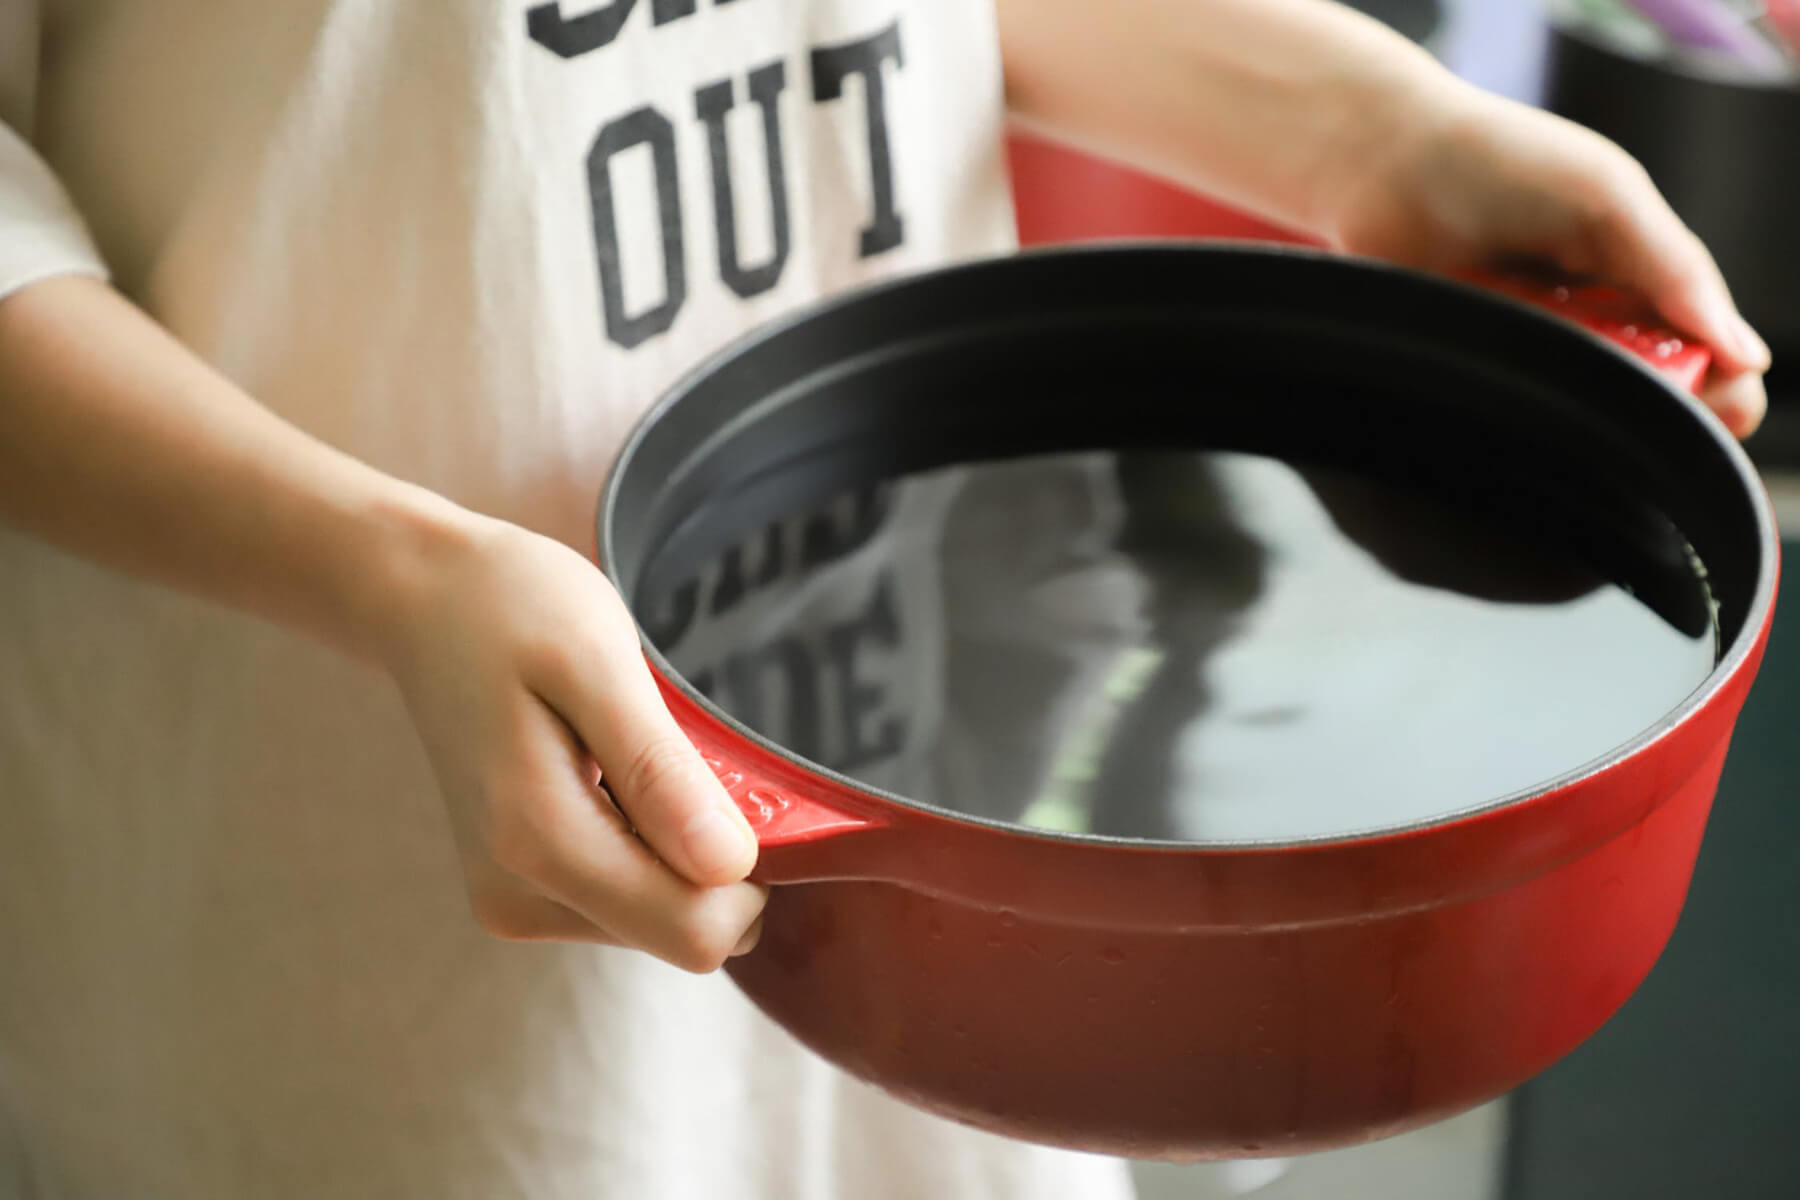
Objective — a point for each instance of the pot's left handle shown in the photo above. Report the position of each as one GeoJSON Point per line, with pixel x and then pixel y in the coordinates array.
{"type": "Point", "coordinates": [808, 828]}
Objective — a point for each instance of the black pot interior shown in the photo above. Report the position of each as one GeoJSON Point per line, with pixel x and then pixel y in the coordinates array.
{"type": "Point", "coordinates": [1474, 401]}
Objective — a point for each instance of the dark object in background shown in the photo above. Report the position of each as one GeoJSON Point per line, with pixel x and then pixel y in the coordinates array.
{"type": "Point", "coordinates": [1416, 19]}
{"type": "Point", "coordinates": [1727, 156]}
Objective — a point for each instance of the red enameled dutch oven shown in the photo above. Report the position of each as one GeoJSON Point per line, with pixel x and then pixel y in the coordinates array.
{"type": "Point", "coordinates": [1206, 1000]}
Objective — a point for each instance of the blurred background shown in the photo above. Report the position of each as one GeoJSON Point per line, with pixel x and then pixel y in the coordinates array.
{"type": "Point", "coordinates": [1691, 1091]}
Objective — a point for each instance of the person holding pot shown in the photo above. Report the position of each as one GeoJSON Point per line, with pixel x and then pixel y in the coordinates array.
{"type": "Point", "coordinates": [321, 324]}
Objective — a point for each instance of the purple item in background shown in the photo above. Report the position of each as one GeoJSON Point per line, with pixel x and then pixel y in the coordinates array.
{"type": "Point", "coordinates": [1710, 26]}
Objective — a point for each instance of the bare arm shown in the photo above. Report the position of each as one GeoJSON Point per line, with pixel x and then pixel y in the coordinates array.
{"type": "Point", "coordinates": [1270, 104]}
{"type": "Point", "coordinates": [120, 445]}
{"type": "Point", "coordinates": [520, 666]}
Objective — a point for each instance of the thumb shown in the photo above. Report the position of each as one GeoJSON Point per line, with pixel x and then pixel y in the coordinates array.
{"type": "Point", "coordinates": [610, 699]}
{"type": "Point", "coordinates": [1644, 246]}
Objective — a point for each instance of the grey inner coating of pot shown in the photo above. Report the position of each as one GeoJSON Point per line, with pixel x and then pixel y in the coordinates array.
{"type": "Point", "coordinates": [1177, 647]}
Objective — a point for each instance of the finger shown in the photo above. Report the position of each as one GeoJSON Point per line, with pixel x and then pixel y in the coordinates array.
{"type": "Point", "coordinates": [607, 695]}
{"type": "Point", "coordinates": [1644, 246]}
{"type": "Point", "coordinates": [751, 937]}
{"type": "Point", "coordinates": [560, 837]}
{"type": "Point", "coordinates": [1740, 399]}
{"type": "Point", "coordinates": [513, 915]}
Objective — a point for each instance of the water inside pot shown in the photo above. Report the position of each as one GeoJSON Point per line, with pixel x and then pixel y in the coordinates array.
{"type": "Point", "coordinates": [1189, 646]}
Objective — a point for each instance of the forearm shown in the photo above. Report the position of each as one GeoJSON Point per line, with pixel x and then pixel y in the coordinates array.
{"type": "Point", "coordinates": [120, 445]}
{"type": "Point", "coordinates": [1274, 105]}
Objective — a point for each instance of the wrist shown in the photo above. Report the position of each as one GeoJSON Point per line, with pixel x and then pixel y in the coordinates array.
{"type": "Point", "coordinates": [408, 541]}
{"type": "Point", "coordinates": [1392, 113]}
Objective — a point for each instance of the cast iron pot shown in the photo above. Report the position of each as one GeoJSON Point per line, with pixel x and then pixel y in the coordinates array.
{"type": "Point", "coordinates": [1206, 1000]}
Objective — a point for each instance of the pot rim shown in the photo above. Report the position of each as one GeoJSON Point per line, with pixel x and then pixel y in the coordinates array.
{"type": "Point", "coordinates": [1744, 646]}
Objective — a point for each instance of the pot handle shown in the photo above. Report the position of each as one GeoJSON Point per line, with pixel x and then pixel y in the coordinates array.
{"type": "Point", "coordinates": [808, 827]}
{"type": "Point", "coordinates": [1616, 315]}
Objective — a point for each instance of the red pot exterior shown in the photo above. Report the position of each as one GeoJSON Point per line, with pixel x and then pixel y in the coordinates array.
{"type": "Point", "coordinates": [1188, 1003]}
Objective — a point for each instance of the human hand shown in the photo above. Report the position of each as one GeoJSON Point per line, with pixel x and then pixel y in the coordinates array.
{"type": "Point", "coordinates": [1473, 180]}
{"type": "Point", "coordinates": [522, 670]}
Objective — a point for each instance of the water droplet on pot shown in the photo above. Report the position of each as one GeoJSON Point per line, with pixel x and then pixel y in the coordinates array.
{"type": "Point", "coordinates": [1009, 919]}
{"type": "Point", "coordinates": [934, 927]}
{"type": "Point", "coordinates": [1112, 955]}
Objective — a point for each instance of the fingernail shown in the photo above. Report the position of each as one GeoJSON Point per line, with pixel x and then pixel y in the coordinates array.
{"type": "Point", "coordinates": [716, 843]}
{"type": "Point", "coordinates": [747, 943]}
{"type": "Point", "coordinates": [1751, 347]}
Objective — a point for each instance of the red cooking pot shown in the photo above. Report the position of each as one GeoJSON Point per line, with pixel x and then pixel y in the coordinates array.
{"type": "Point", "coordinates": [1187, 1000]}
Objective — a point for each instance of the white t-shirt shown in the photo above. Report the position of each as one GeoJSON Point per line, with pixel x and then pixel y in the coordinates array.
{"type": "Point", "coordinates": [468, 241]}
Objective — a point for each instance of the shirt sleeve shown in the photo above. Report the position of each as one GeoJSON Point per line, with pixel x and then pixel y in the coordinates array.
{"type": "Point", "coordinates": [41, 233]}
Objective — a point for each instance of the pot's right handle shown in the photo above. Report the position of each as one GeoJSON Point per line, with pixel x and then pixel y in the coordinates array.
{"type": "Point", "coordinates": [808, 828]}
{"type": "Point", "coordinates": [1615, 315]}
